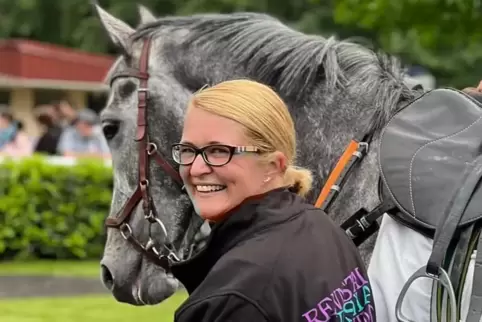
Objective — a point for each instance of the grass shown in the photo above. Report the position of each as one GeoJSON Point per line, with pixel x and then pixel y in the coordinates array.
{"type": "Point", "coordinates": [52, 268]}
{"type": "Point", "coordinates": [86, 309]}
{"type": "Point", "coordinates": [92, 308]}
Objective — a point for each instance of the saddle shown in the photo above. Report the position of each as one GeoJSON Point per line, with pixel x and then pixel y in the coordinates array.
{"type": "Point", "coordinates": [430, 160]}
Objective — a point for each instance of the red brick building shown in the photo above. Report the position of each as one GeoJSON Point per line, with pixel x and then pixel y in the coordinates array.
{"type": "Point", "coordinates": [34, 73]}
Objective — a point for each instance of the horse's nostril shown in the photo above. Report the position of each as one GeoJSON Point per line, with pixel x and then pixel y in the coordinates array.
{"type": "Point", "coordinates": [107, 277]}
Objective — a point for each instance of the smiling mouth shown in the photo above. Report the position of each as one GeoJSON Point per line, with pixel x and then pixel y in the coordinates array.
{"type": "Point", "coordinates": [210, 188]}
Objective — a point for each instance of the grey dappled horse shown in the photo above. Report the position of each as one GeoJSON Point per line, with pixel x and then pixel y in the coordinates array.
{"type": "Point", "coordinates": [334, 90]}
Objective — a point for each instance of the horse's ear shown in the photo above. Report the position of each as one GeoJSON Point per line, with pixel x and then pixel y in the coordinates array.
{"type": "Point", "coordinates": [145, 14]}
{"type": "Point", "coordinates": [117, 30]}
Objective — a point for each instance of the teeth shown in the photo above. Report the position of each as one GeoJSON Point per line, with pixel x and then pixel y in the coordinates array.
{"type": "Point", "coordinates": [209, 188]}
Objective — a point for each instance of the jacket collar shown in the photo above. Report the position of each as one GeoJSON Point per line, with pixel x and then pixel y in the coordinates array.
{"type": "Point", "coordinates": [253, 216]}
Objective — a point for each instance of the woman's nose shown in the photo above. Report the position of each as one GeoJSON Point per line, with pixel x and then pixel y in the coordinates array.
{"type": "Point", "coordinates": [199, 167]}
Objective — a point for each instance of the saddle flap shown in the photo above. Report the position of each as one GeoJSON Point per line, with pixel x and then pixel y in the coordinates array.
{"type": "Point", "coordinates": [424, 151]}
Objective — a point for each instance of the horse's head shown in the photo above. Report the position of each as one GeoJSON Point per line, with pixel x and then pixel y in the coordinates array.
{"type": "Point", "coordinates": [150, 221]}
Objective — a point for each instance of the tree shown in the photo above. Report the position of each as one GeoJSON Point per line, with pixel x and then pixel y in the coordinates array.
{"type": "Point", "coordinates": [443, 35]}
{"type": "Point", "coordinates": [73, 23]}
{"type": "Point", "coordinates": [69, 23]}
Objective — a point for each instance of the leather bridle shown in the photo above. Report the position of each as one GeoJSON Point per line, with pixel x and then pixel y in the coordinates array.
{"type": "Point", "coordinates": [163, 256]}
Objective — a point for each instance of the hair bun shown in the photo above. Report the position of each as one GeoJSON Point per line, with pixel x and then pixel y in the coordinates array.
{"type": "Point", "coordinates": [299, 180]}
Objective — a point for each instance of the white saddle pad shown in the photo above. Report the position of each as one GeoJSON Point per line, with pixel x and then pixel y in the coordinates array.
{"type": "Point", "coordinates": [398, 253]}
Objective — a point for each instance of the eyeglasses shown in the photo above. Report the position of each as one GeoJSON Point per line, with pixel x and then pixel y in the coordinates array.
{"type": "Point", "coordinates": [215, 155]}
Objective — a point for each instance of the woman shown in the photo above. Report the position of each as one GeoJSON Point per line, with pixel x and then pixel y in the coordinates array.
{"type": "Point", "coordinates": [271, 255]}
{"type": "Point", "coordinates": [13, 141]}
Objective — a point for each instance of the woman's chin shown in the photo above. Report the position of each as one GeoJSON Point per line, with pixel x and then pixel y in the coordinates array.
{"type": "Point", "coordinates": [212, 208]}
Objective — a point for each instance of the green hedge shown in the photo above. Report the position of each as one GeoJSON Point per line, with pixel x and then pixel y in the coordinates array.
{"type": "Point", "coordinates": [53, 211]}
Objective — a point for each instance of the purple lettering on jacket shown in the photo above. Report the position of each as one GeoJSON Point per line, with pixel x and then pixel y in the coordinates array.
{"type": "Point", "coordinates": [352, 301]}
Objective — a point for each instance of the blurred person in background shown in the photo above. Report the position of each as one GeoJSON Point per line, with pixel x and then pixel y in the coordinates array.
{"type": "Point", "coordinates": [84, 138]}
{"type": "Point", "coordinates": [66, 111]}
{"type": "Point", "coordinates": [48, 118]}
{"type": "Point", "coordinates": [14, 142]}
{"type": "Point", "coordinates": [475, 92]}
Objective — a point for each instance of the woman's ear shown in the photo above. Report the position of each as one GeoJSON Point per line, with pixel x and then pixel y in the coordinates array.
{"type": "Point", "coordinates": [277, 163]}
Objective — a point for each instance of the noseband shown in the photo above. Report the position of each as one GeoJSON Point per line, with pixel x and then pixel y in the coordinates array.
{"type": "Point", "coordinates": [165, 255]}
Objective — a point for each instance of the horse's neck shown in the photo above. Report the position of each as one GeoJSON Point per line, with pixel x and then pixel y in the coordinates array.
{"type": "Point", "coordinates": [359, 191]}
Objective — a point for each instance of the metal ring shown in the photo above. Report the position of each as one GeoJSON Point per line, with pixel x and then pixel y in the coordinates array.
{"type": "Point", "coordinates": [151, 148]}
{"type": "Point", "coordinates": [443, 279]}
{"type": "Point", "coordinates": [155, 251]}
{"type": "Point", "coordinates": [150, 244]}
{"type": "Point", "coordinates": [149, 216]}
{"type": "Point", "coordinates": [129, 229]}
{"type": "Point", "coordinates": [144, 182]}
{"type": "Point", "coordinates": [173, 257]}
{"type": "Point", "coordinates": [160, 223]}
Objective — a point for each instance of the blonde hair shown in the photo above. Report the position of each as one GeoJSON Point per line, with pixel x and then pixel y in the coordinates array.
{"type": "Point", "coordinates": [266, 118]}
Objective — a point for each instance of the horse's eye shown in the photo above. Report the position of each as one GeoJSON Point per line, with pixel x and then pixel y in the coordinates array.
{"type": "Point", "coordinates": [110, 129]}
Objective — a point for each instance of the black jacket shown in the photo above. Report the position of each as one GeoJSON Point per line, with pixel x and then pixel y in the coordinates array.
{"type": "Point", "coordinates": [276, 258]}
{"type": "Point", "coordinates": [49, 141]}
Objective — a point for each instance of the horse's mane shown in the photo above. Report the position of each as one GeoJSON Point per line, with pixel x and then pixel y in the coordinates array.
{"type": "Point", "coordinates": [290, 61]}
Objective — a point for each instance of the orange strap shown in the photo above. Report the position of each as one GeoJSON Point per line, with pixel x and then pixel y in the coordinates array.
{"type": "Point", "coordinates": [345, 158]}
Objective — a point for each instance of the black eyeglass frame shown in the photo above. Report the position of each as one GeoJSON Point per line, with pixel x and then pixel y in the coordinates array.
{"type": "Point", "coordinates": [233, 150]}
